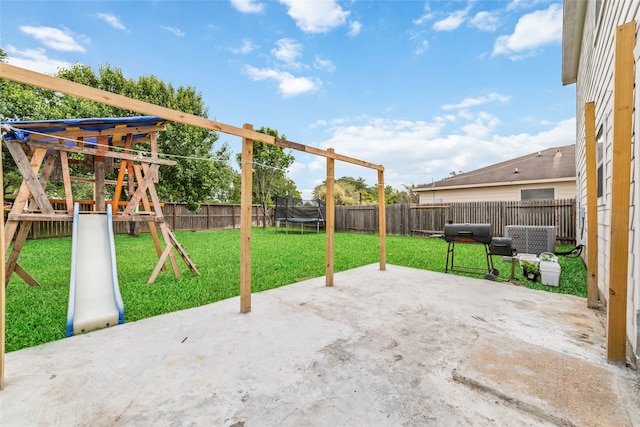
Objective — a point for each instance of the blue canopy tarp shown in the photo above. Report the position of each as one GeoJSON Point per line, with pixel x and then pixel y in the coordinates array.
{"type": "Point", "coordinates": [51, 130]}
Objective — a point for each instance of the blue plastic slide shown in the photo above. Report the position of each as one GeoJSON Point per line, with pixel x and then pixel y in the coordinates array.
{"type": "Point", "coordinates": [94, 295]}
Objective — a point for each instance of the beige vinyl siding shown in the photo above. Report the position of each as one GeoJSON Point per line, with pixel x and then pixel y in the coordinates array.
{"type": "Point", "coordinates": [562, 190]}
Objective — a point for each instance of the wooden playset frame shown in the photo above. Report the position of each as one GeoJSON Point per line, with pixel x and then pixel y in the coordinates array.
{"type": "Point", "coordinates": [115, 139]}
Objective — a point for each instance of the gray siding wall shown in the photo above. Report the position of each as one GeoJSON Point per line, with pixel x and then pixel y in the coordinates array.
{"type": "Point", "coordinates": [595, 83]}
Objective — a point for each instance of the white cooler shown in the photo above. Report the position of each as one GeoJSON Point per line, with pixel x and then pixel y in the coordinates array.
{"type": "Point", "coordinates": [550, 273]}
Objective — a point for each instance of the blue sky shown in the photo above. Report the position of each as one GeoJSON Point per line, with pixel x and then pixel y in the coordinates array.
{"type": "Point", "coordinates": [422, 87]}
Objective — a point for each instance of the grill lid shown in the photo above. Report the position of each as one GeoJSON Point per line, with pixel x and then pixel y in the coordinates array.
{"type": "Point", "coordinates": [468, 233]}
{"type": "Point", "coordinates": [501, 246]}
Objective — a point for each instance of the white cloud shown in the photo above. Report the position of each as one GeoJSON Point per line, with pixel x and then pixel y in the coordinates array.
{"type": "Point", "coordinates": [354, 28]}
{"type": "Point", "coordinates": [35, 60]}
{"type": "Point", "coordinates": [532, 31]}
{"type": "Point", "coordinates": [422, 47]}
{"type": "Point", "coordinates": [288, 84]}
{"type": "Point", "coordinates": [53, 38]}
{"type": "Point", "coordinates": [176, 31]}
{"type": "Point", "coordinates": [318, 16]}
{"type": "Point", "coordinates": [248, 6]}
{"type": "Point", "coordinates": [474, 102]}
{"type": "Point", "coordinates": [485, 21]}
{"type": "Point", "coordinates": [522, 4]}
{"type": "Point", "coordinates": [247, 47]}
{"type": "Point", "coordinates": [288, 51]}
{"type": "Point", "coordinates": [418, 152]}
{"type": "Point", "coordinates": [451, 22]}
{"type": "Point", "coordinates": [426, 17]}
{"type": "Point", "coordinates": [112, 20]}
{"type": "Point", "coordinates": [323, 64]}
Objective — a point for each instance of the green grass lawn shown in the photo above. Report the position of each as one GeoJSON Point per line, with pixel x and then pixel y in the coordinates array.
{"type": "Point", "coordinates": [38, 315]}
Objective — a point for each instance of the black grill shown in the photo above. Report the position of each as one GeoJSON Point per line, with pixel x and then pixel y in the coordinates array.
{"type": "Point", "coordinates": [468, 233]}
{"type": "Point", "coordinates": [481, 234]}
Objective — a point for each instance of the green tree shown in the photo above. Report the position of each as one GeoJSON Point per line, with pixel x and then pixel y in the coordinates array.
{"type": "Point", "coordinates": [355, 191]}
{"type": "Point", "coordinates": [349, 191]}
{"type": "Point", "coordinates": [340, 194]}
{"type": "Point", "coordinates": [19, 102]}
{"type": "Point", "coordinates": [201, 173]}
{"type": "Point", "coordinates": [270, 163]}
{"type": "Point", "coordinates": [406, 194]}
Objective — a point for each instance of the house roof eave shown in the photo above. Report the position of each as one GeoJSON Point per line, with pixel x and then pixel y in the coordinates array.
{"type": "Point", "coordinates": [572, 27]}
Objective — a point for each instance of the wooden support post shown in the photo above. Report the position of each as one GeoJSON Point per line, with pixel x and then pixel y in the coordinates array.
{"type": "Point", "coordinates": [21, 237]}
{"type": "Point", "coordinates": [66, 178]}
{"type": "Point", "coordinates": [592, 204]}
{"type": "Point", "coordinates": [146, 183]}
{"type": "Point", "coordinates": [3, 291]}
{"type": "Point", "coordinates": [154, 274]}
{"type": "Point", "coordinates": [118, 190]}
{"type": "Point", "coordinates": [330, 218]}
{"type": "Point", "coordinates": [149, 173]}
{"type": "Point", "coordinates": [382, 221]}
{"type": "Point", "coordinates": [49, 165]}
{"type": "Point", "coordinates": [153, 142]}
{"type": "Point", "coordinates": [121, 172]}
{"type": "Point", "coordinates": [620, 192]}
{"type": "Point", "coordinates": [98, 168]}
{"type": "Point", "coordinates": [164, 229]}
{"type": "Point", "coordinates": [245, 222]}
{"type": "Point", "coordinates": [152, 224]}
{"type": "Point", "coordinates": [130, 172]}
{"type": "Point", "coordinates": [98, 195]}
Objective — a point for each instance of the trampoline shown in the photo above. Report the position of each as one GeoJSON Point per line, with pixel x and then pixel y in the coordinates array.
{"type": "Point", "coordinates": [291, 210]}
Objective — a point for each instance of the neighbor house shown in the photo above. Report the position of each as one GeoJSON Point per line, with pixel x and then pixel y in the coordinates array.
{"type": "Point", "coordinates": [546, 174]}
{"type": "Point", "coordinates": [599, 53]}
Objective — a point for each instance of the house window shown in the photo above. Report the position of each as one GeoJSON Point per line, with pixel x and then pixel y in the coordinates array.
{"type": "Point", "coordinates": [537, 194]}
{"type": "Point", "coordinates": [600, 162]}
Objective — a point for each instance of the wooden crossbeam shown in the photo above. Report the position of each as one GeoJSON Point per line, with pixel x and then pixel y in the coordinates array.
{"type": "Point", "coordinates": [33, 78]}
{"type": "Point", "coordinates": [30, 179]}
{"type": "Point", "coordinates": [26, 276]}
{"type": "Point", "coordinates": [136, 217]}
{"type": "Point", "coordinates": [21, 199]}
{"type": "Point", "coordinates": [92, 152]}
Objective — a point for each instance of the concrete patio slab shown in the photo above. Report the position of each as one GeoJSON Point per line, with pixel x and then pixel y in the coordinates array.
{"type": "Point", "coordinates": [380, 348]}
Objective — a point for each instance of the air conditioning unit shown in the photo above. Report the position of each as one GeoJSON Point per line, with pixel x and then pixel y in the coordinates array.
{"type": "Point", "coordinates": [532, 239]}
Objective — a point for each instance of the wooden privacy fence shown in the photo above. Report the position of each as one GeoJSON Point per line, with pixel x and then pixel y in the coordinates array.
{"type": "Point", "coordinates": [415, 220]}
{"type": "Point", "coordinates": [402, 219]}
{"type": "Point", "coordinates": [177, 216]}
